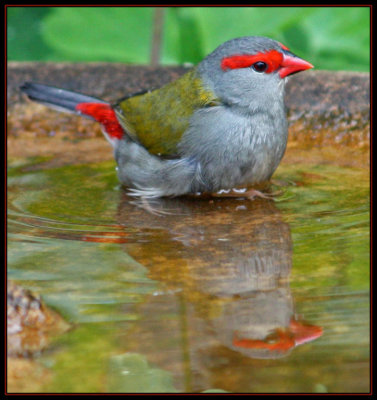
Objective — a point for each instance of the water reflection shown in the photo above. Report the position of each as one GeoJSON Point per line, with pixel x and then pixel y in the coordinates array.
{"type": "Point", "coordinates": [226, 265]}
{"type": "Point", "coordinates": [203, 291]}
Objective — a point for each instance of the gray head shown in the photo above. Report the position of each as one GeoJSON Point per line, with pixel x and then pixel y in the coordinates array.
{"type": "Point", "coordinates": [249, 71]}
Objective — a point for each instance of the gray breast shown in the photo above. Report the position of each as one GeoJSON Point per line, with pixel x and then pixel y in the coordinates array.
{"type": "Point", "coordinates": [234, 147]}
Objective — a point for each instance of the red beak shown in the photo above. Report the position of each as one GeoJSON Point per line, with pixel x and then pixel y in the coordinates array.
{"type": "Point", "coordinates": [292, 64]}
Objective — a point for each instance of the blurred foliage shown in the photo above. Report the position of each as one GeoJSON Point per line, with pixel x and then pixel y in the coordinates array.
{"type": "Point", "coordinates": [336, 38]}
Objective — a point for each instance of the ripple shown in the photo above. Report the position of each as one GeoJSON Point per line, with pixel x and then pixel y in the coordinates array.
{"type": "Point", "coordinates": [30, 225]}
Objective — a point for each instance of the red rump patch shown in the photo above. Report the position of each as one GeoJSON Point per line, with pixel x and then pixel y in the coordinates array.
{"type": "Point", "coordinates": [272, 58]}
{"type": "Point", "coordinates": [103, 114]}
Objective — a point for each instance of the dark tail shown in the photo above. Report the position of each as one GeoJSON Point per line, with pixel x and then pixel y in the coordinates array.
{"type": "Point", "coordinates": [81, 104]}
{"type": "Point", "coordinates": [61, 99]}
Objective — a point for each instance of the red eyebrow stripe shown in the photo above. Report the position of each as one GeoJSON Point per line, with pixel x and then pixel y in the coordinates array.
{"type": "Point", "coordinates": [283, 46]}
{"type": "Point", "coordinates": [272, 58]}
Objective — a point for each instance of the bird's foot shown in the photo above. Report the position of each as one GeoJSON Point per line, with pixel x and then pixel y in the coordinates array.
{"type": "Point", "coordinates": [253, 193]}
{"type": "Point", "coordinates": [244, 193]}
{"type": "Point", "coordinates": [150, 206]}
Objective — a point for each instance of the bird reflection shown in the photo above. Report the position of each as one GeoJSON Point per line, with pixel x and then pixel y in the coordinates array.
{"type": "Point", "coordinates": [230, 260]}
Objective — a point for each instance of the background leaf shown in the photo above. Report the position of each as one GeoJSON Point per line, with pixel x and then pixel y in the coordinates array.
{"type": "Point", "coordinates": [24, 36]}
{"type": "Point", "coordinates": [100, 33]}
{"type": "Point", "coordinates": [335, 38]}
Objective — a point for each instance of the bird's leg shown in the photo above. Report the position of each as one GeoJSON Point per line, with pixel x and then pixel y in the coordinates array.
{"type": "Point", "coordinates": [253, 193]}
{"type": "Point", "coordinates": [244, 193]}
{"type": "Point", "coordinates": [147, 205]}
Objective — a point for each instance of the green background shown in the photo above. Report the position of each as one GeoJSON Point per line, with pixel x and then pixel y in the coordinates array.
{"type": "Point", "coordinates": [333, 38]}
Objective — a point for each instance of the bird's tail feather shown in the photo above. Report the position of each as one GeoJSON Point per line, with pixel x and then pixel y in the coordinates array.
{"type": "Point", "coordinates": [60, 99]}
{"type": "Point", "coordinates": [77, 103]}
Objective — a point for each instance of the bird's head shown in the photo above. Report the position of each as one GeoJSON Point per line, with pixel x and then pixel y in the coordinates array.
{"type": "Point", "coordinates": [250, 71]}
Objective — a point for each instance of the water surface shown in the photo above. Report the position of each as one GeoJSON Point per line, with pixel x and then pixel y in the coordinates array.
{"type": "Point", "coordinates": [203, 294]}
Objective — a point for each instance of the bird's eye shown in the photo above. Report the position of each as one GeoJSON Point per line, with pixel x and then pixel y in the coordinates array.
{"type": "Point", "coordinates": [259, 66]}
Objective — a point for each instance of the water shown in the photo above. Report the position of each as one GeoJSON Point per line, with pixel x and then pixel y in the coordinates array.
{"type": "Point", "coordinates": [203, 295]}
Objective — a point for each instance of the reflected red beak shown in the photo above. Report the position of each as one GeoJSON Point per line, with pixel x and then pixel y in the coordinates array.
{"type": "Point", "coordinates": [292, 64]}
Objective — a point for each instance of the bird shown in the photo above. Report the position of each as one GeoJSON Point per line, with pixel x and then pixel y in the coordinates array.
{"type": "Point", "coordinates": [220, 126]}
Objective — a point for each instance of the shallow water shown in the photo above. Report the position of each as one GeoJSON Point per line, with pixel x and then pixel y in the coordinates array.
{"type": "Point", "coordinates": [204, 294]}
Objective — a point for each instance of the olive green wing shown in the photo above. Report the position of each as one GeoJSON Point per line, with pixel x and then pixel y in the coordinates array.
{"type": "Point", "coordinates": [159, 118]}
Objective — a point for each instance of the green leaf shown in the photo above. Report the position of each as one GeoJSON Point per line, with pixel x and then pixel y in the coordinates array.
{"type": "Point", "coordinates": [24, 38]}
{"type": "Point", "coordinates": [120, 34]}
{"type": "Point", "coordinates": [183, 41]}
{"type": "Point", "coordinates": [339, 38]}
{"type": "Point", "coordinates": [329, 37]}
{"type": "Point", "coordinates": [219, 24]}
